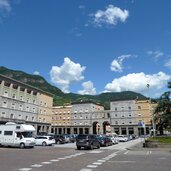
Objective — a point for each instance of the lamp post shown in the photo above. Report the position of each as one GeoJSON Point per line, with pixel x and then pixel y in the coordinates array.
{"type": "Point", "coordinates": [152, 114]}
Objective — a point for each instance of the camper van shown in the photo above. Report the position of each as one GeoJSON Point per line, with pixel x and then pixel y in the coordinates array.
{"type": "Point", "coordinates": [17, 135]}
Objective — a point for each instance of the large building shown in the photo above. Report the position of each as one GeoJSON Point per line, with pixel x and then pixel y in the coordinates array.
{"type": "Point", "coordinates": [22, 103]}
{"type": "Point", "coordinates": [62, 119]}
{"type": "Point", "coordinates": [123, 117]}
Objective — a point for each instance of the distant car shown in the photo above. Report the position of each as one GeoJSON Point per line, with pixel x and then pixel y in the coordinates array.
{"type": "Point", "coordinates": [122, 138]}
{"type": "Point", "coordinates": [113, 138]}
{"type": "Point", "coordinates": [59, 139]}
{"type": "Point", "coordinates": [88, 141]}
{"type": "Point", "coordinates": [105, 141]}
{"type": "Point", "coordinates": [44, 140]}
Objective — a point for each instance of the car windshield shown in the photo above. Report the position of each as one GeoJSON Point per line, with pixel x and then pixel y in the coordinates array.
{"type": "Point", "coordinates": [82, 137]}
{"type": "Point", "coordinates": [27, 134]}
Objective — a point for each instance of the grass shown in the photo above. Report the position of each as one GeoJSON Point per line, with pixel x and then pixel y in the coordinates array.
{"type": "Point", "coordinates": [161, 139]}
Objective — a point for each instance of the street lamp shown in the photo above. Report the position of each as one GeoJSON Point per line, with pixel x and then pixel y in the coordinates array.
{"type": "Point", "coordinates": [152, 114]}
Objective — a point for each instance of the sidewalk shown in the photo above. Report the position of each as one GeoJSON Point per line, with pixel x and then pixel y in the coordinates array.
{"type": "Point", "coordinates": [139, 147]}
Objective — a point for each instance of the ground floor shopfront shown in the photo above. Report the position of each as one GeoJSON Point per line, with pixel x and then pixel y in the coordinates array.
{"type": "Point", "coordinates": [96, 129]}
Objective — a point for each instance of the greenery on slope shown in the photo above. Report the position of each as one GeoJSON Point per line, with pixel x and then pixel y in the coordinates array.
{"type": "Point", "coordinates": [61, 98]}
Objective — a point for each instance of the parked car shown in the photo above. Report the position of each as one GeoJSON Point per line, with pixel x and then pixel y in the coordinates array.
{"type": "Point", "coordinates": [88, 141]}
{"type": "Point", "coordinates": [59, 139]}
{"type": "Point", "coordinates": [105, 141]}
{"type": "Point", "coordinates": [114, 139]}
{"type": "Point", "coordinates": [122, 138]}
{"type": "Point", "coordinates": [44, 140]}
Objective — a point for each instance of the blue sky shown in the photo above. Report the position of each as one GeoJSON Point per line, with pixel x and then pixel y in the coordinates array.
{"type": "Point", "coordinates": [89, 47]}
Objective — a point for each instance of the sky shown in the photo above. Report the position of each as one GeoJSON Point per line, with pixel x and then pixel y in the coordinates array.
{"type": "Point", "coordinates": [89, 46]}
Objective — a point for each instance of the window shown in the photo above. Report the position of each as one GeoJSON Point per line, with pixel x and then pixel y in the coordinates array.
{"type": "Point", "coordinates": [17, 127]}
{"type": "Point", "coordinates": [12, 116]}
{"type": "Point", "coordinates": [0, 132]}
{"type": "Point", "coordinates": [116, 122]}
{"type": "Point", "coordinates": [8, 132]}
{"type": "Point", "coordinates": [129, 114]}
{"type": "Point", "coordinates": [27, 118]}
{"type": "Point", "coordinates": [28, 99]}
{"type": "Point", "coordinates": [13, 106]}
{"type": "Point", "coordinates": [21, 98]}
{"type": "Point", "coordinates": [32, 118]}
{"type": "Point", "coordinates": [3, 114]}
{"type": "Point", "coordinates": [6, 94]}
{"type": "Point", "coordinates": [21, 107]}
{"type": "Point", "coordinates": [139, 114]}
{"type": "Point", "coordinates": [4, 104]}
{"type": "Point", "coordinates": [129, 108]}
{"type": "Point", "coordinates": [27, 108]}
{"type": "Point", "coordinates": [139, 107]}
{"type": "Point", "coordinates": [116, 109]}
{"type": "Point", "coordinates": [19, 117]}
{"type": "Point", "coordinates": [14, 96]}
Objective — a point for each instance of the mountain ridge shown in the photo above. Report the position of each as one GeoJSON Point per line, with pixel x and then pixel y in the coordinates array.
{"type": "Point", "coordinates": [61, 98]}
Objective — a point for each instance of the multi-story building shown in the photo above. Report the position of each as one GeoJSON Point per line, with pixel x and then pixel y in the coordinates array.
{"type": "Point", "coordinates": [23, 103]}
{"type": "Point", "coordinates": [61, 119]}
{"type": "Point", "coordinates": [123, 117]}
{"type": "Point", "coordinates": [89, 117]}
{"type": "Point", "coordinates": [144, 115]}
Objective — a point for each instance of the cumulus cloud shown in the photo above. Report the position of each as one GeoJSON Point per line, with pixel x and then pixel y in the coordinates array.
{"type": "Point", "coordinates": [168, 63]}
{"type": "Point", "coordinates": [117, 64]}
{"type": "Point", "coordinates": [111, 16]}
{"type": "Point", "coordinates": [69, 72]}
{"type": "Point", "coordinates": [5, 9]}
{"type": "Point", "coordinates": [88, 88]}
{"type": "Point", "coordinates": [155, 54]}
{"type": "Point", "coordinates": [5, 6]}
{"type": "Point", "coordinates": [138, 82]}
{"type": "Point", "coordinates": [36, 73]}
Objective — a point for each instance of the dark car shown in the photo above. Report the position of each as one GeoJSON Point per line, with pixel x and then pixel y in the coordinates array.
{"type": "Point", "coordinates": [105, 141]}
{"type": "Point", "coordinates": [59, 139]}
{"type": "Point", "coordinates": [87, 141]}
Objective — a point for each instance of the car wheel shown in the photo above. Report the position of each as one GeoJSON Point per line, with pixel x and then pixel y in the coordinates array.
{"type": "Point", "coordinates": [91, 147]}
{"type": "Point", "coordinates": [98, 146]}
{"type": "Point", "coordinates": [44, 143]}
{"type": "Point", "coordinates": [78, 148]}
{"type": "Point", "coordinates": [22, 145]}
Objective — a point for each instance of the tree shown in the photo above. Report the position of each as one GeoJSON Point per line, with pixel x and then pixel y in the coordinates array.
{"type": "Point", "coordinates": [163, 112]}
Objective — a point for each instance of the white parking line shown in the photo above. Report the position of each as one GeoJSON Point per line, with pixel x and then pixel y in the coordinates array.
{"type": "Point", "coordinates": [25, 169]}
{"type": "Point", "coordinates": [86, 170]}
{"type": "Point", "coordinates": [97, 163]}
{"type": "Point", "coordinates": [54, 160]}
{"type": "Point", "coordinates": [46, 162]}
{"type": "Point", "coordinates": [36, 165]}
{"type": "Point", "coordinates": [95, 152]}
{"type": "Point", "coordinates": [92, 166]}
{"type": "Point", "coordinates": [101, 161]}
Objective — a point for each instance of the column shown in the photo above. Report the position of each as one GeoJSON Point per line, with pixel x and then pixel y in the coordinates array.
{"type": "Point", "coordinates": [10, 92]}
{"type": "Point", "coordinates": [1, 87]}
{"type": "Point", "coordinates": [127, 131]}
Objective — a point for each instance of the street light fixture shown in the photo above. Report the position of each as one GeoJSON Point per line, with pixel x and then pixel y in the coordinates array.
{"type": "Point", "coordinates": [152, 114]}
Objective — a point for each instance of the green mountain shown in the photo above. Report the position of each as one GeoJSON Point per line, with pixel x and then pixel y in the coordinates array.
{"type": "Point", "coordinates": [61, 98]}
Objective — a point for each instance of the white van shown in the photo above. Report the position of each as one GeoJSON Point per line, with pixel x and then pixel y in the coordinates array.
{"type": "Point", "coordinates": [17, 135]}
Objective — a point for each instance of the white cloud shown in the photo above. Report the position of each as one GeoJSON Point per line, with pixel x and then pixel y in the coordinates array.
{"type": "Point", "coordinates": [110, 16]}
{"type": "Point", "coordinates": [116, 64]}
{"type": "Point", "coordinates": [168, 63]}
{"type": "Point", "coordinates": [137, 82]}
{"type": "Point", "coordinates": [5, 6]}
{"type": "Point", "coordinates": [36, 73]}
{"type": "Point", "coordinates": [155, 54]}
{"type": "Point", "coordinates": [88, 88]}
{"type": "Point", "coordinates": [69, 72]}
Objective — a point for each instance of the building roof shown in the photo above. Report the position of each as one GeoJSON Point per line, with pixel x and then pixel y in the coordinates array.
{"type": "Point", "coordinates": [11, 80]}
